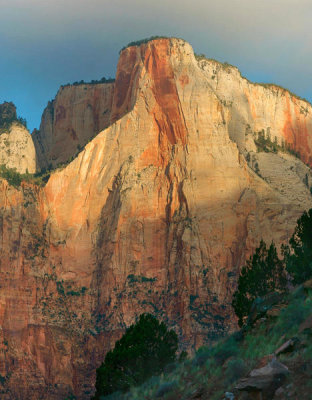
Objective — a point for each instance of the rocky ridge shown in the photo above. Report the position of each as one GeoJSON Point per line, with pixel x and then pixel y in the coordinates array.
{"type": "Point", "coordinates": [156, 214]}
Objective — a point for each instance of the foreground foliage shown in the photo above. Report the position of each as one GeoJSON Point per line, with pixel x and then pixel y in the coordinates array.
{"type": "Point", "coordinates": [275, 321]}
{"type": "Point", "coordinates": [144, 350]}
{"type": "Point", "coordinates": [299, 255]}
{"type": "Point", "coordinates": [215, 370]}
{"type": "Point", "coordinates": [263, 273]}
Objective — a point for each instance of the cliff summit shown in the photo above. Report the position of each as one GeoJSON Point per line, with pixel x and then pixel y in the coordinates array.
{"type": "Point", "coordinates": [182, 167]}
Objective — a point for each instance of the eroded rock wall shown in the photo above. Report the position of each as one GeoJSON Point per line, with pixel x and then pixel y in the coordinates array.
{"type": "Point", "coordinates": [256, 107]}
{"type": "Point", "coordinates": [73, 118]}
{"type": "Point", "coordinates": [156, 214]}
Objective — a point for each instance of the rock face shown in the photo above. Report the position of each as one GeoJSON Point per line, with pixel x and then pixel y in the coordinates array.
{"type": "Point", "coordinates": [76, 115]}
{"type": "Point", "coordinates": [263, 382]}
{"type": "Point", "coordinates": [256, 107]}
{"type": "Point", "coordinates": [16, 145]}
{"type": "Point", "coordinates": [156, 214]}
{"type": "Point", "coordinates": [17, 149]}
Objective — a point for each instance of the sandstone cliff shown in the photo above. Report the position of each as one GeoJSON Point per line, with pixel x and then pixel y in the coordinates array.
{"type": "Point", "coordinates": [17, 149]}
{"type": "Point", "coordinates": [156, 214]}
{"type": "Point", "coordinates": [256, 107]}
{"type": "Point", "coordinates": [76, 115]}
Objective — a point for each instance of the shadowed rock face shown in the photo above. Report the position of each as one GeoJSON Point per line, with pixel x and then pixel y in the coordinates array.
{"type": "Point", "coordinates": [76, 115]}
{"type": "Point", "coordinates": [156, 214]}
{"type": "Point", "coordinates": [256, 107]}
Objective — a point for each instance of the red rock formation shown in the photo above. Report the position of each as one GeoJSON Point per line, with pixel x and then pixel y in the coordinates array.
{"type": "Point", "coordinates": [261, 107]}
{"type": "Point", "coordinates": [76, 115]}
{"type": "Point", "coordinates": [156, 214]}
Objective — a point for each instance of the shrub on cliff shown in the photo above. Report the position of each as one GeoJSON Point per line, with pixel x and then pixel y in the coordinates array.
{"type": "Point", "coordinates": [299, 255]}
{"type": "Point", "coordinates": [263, 273]}
{"type": "Point", "coordinates": [144, 350]}
{"type": "Point", "coordinates": [11, 175]}
{"type": "Point", "coordinates": [7, 114]}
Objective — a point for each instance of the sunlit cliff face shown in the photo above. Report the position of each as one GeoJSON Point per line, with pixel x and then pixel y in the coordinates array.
{"type": "Point", "coordinates": [156, 214]}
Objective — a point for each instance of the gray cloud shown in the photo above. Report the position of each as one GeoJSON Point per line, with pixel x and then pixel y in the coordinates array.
{"type": "Point", "coordinates": [44, 44]}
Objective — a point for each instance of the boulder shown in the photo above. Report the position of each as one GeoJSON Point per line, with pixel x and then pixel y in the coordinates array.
{"type": "Point", "coordinates": [263, 382]}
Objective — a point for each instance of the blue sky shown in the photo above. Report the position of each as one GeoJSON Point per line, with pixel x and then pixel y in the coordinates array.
{"type": "Point", "coordinates": [45, 44]}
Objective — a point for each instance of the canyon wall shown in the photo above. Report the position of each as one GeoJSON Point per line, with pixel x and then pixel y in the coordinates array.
{"type": "Point", "coordinates": [76, 115]}
{"type": "Point", "coordinates": [156, 214]}
{"type": "Point", "coordinates": [256, 107]}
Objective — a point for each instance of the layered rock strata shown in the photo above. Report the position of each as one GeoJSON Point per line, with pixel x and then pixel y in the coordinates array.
{"type": "Point", "coordinates": [156, 214]}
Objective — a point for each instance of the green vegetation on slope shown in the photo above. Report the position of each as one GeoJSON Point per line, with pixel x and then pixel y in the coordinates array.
{"type": "Point", "coordinates": [263, 273]}
{"type": "Point", "coordinates": [216, 370]}
{"type": "Point", "coordinates": [264, 143]}
{"type": "Point", "coordinates": [278, 318]}
{"type": "Point", "coordinates": [15, 179]}
{"type": "Point", "coordinates": [144, 350]}
{"type": "Point", "coordinates": [298, 255]}
{"type": "Point", "coordinates": [266, 273]}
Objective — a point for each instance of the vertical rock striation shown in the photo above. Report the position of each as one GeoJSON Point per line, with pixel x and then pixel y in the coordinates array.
{"type": "Point", "coordinates": [256, 107]}
{"type": "Point", "coordinates": [72, 119]}
{"type": "Point", "coordinates": [156, 214]}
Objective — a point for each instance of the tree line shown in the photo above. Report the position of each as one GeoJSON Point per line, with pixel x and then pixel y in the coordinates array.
{"type": "Point", "coordinates": [266, 272]}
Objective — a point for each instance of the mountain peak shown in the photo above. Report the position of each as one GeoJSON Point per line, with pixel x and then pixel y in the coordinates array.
{"type": "Point", "coordinates": [187, 168]}
{"type": "Point", "coordinates": [140, 42]}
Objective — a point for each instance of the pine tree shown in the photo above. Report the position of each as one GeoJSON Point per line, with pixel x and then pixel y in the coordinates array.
{"type": "Point", "coordinates": [263, 273]}
{"type": "Point", "coordinates": [299, 256]}
{"type": "Point", "coordinates": [144, 350]}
